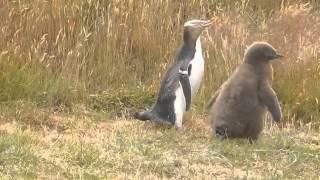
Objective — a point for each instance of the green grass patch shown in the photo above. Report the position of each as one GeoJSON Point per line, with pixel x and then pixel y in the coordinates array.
{"type": "Point", "coordinates": [17, 159]}
{"type": "Point", "coordinates": [121, 102]}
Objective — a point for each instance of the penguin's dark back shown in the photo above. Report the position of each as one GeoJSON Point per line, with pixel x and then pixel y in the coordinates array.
{"type": "Point", "coordinates": [164, 106]}
{"type": "Point", "coordinates": [186, 52]}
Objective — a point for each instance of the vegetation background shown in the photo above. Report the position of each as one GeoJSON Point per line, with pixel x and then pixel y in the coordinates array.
{"type": "Point", "coordinates": [72, 73]}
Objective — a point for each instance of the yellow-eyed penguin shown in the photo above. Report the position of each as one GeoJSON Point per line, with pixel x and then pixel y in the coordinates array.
{"type": "Point", "coordinates": [241, 102]}
{"type": "Point", "coordinates": [182, 80]}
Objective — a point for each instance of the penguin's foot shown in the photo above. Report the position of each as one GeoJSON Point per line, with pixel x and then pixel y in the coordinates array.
{"type": "Point", "coordinates": [179, 128]}
{"type": "Point", "coordinates": [252, 140]}
{"type": "Point", "coordinates": [220, 133]}
{"type": "Point", "coordinates": [161, 121]}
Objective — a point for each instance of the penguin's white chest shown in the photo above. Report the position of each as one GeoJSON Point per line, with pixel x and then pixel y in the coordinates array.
{"type": "Point", "coordinates": [197, 69]}
{"type": "Point", "coordinates": [195, 78]}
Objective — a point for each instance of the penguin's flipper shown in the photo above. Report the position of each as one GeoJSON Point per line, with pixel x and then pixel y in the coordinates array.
{"type": "Point", "coordinates": [189, 69]}
{"type": "Point", "coordinates": [185, 83]}
{"type": "Point", "coordinates": [213, 99]}
{"type": "Point", "coordinates": [269, 99]}
{"type": "Point", "coordinates": [215, 95]}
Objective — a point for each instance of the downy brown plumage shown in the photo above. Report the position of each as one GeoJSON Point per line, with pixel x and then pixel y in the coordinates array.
{"type": "Point", "coordinates": [241, 102]}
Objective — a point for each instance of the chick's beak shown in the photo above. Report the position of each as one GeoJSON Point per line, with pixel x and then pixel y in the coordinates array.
{"type": "Point", "coordinates": [279, 56]}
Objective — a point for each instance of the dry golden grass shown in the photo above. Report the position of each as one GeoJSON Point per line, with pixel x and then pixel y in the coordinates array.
{"type": "Point", "coordinates": [66, 65]}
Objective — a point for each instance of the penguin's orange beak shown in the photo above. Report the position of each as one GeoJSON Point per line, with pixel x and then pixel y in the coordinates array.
{"type": "Point", "coordinates": [209, 22]}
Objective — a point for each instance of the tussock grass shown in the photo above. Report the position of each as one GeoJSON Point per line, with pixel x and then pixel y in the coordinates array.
{"type": "Point", "coordinates": [59, 53]}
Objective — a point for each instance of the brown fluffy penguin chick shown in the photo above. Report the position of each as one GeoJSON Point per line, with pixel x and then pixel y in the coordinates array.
{"type": "Point", "coordinates": [241, 102]}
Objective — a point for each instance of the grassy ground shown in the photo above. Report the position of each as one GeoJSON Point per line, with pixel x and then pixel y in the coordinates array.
{"type": "Point", "coordinates": [128, 149]}
{"type": "Point", "coordinates": [72, 73]}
